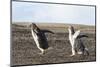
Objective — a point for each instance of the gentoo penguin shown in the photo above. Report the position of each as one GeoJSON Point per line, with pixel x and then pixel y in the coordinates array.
{"type": "Point", "coordinates": [76, 42]}
{"type": "Point", "coordinates": [39, 37]}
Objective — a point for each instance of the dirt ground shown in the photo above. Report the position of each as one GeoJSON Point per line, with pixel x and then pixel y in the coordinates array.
{"type": "Point", "coordinates": [25, 52]}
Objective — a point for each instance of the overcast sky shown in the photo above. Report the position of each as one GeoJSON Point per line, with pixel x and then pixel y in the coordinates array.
{"type": "Point", "coordinates": [52, 13]}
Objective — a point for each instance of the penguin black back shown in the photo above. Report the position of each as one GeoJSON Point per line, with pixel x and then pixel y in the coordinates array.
{"type": "Point", "coordinates": [79, 47]}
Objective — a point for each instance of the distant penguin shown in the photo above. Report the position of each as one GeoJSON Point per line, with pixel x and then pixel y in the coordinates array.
{"type": "Point", "coordinates": [40, 38]}
{"type": "Point", "coordinates": [76, 42]}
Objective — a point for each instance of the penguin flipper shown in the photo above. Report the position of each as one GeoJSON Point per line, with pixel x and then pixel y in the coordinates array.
{"type": "Point", "coordinates": [81, 36]}
{"type": "Point", "coordinates": [47, 31]}
{"type": "Point", "coordinates": [76, 34]}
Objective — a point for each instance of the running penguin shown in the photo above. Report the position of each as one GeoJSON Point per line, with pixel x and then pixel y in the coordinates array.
{"type": "Point", "coordinates": [76, 42]}
{"type": "Point", "coordinates": [40, 38]}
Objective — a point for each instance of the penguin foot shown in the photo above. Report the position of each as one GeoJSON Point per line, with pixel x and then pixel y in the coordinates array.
{"type": "Point", "coordinates": [80, 52]}
{"type": "Point", "coordinates": [72, 55]}
{"type": "Point", "coordinates": [41, 53]}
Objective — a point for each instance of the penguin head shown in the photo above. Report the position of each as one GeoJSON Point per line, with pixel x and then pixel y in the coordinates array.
{"type": "Point", "coordinates": [71, 29]}
{"type": "Point", "coordinates": [33, 26]}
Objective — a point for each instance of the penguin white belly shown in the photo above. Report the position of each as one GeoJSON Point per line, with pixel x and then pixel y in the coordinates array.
{"type": "Point", "coordinates": [35, 37]}
{"type": "Point", "coordinates": [71, 39]}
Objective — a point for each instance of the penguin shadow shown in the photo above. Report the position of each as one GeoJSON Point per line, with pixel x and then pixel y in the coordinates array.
{"type": "Point", "coordinates": [40, 38]}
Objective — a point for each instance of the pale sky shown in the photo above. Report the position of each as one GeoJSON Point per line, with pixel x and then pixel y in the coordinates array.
{"type": "Point", "coordinates": [52, 13]}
